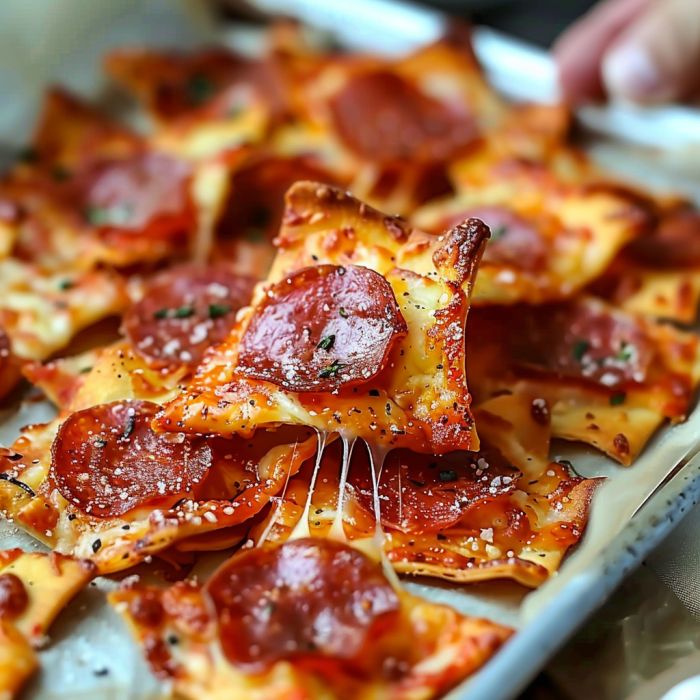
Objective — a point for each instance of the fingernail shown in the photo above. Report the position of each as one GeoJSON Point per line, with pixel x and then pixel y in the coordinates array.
{"type": "Point", "coordinates": [629, 71]}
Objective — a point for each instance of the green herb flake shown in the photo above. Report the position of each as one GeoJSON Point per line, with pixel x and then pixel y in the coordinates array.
{"type": "Point", "coordinates": [183, 312]}
{"type": "Point", "coordinates": [330, 370]}
{"type": "Point", "coordinates": [218, 310]}
{"type": "Point", "coordinates": [580, 349]}
{"type": "Point", "coordinates": [66, 284]}
{"type": "Point", "coordinates": [447, 475]}
{"type": "Point", "coordinates": [85, 370]}
{"type": "Point", "coordinates": [343, 313]}
{"type": "Point", "coordinates": [199, 89]}
{"type": "Point", "coordinates": [618, 399]}
{"type": "Point", "coordinates": [498, 232]}
{"type": "Point", "coordinates": [327, 342]}
{"type": "Point", "coordinates": [116, 215]}
{"type": "Point", "coordinates": [625, 353]}
{"type": "Point", "coordinates": [160, 314]}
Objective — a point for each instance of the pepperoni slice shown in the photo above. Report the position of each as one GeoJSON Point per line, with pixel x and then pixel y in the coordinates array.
{"type": "Point", "coordinates": [322, 328]}
{"type": "Point", "coordinates": [421, 493]}
{"type": "Point", "coordinates": [514, 241]}
{"type": "Point", "coordinates": [382, 117]}
{"type": "Point", "coordinates": [146, 193]}
{"type": "Point", "coordinates": [184, 311]}
{"type": "Point", "coordinates": [584, 340]}
{"type": "Point", "coordinates": [674, 243]}
{"type": "Point", "coordinates": [13, 596]}
{"type": "Point", "coordinates": [306, 598]}
{"type": "Point", "coordinates": [106, 460]}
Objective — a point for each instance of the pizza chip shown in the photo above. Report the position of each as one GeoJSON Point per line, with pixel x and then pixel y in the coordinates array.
{"type": "Point", "coordinates": [309, 618]}
{"type": "Point", "coordinates": [607, 378]}
{"type": "Point", "coordinates": [34, 589]}
{"type": "Point", "coordinates": [353, 343]}
{"type": "Point", "coordinates": [549, 239]}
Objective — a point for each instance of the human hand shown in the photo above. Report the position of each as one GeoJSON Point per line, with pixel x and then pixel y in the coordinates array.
{"type": "Point", "coordinates": [642, 50]}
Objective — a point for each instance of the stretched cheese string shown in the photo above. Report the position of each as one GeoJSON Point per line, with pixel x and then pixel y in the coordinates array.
{"type": "Point", "coordinates": [337, 531]}
{"type": "Point", "coordinates": [374, 546]}
{"type": "Point", "coordinates": [301, 529]}
{"type": "Point", "coordinates": [279, 500]}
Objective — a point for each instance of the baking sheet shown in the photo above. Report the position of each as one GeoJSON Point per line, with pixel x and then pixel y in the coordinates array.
{"type": "Point", "coordinates": [91, 654]}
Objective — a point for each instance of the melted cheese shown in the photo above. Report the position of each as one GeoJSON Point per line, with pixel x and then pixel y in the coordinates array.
{"type": "Point", "coordinates": [42, 312]}
{"type": "Point", "coordinates": [553, 513]}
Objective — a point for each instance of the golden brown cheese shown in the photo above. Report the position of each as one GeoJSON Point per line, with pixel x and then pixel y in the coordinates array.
{"type": "Point", "coordinates": [34, 589]}
{"type": "Point", "coordinates": [665, 294]}
{"type": "Point", "coordinates": [18, 661]}
{"type": "Point", "coordinates": [42, 311]}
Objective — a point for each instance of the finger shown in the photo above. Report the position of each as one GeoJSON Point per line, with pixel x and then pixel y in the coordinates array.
{"type": "Point", "coordinates": [580, 49]}
{"type": "Point", "coordinates": [658, 57]}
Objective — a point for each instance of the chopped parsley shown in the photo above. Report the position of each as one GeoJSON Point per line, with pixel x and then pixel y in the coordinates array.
{"type": "Point", "coordinates": [580, 349]}
{"type": "Point", "coordinates": [617, 399]}
{"type": "Point", "coordinates": [625, 352]}
{"type": "Point", "coordinates": [180, 312]}
{"type": "Point", "coordinates": [498, 232]}
{"type": "Point", "coordinates": [327, 342]}
{"type": "Point", "coordinates": [116, 215]}
{"type": "Point", "coordinates": [183, 312]}
{"type": "Point", "coordinates": [330, 370]}
{"type": "Point", "coordinates": [218, 310]}
{"type": "Point", "coordinates": [85, 370]}
{"type": "Point", "coordinates": [343, 312]}
{"type": "Point", "coordinates": [447, 475]}
{"type": "Point", "coordinates": [199, 89]}
{"type": "Point", "coordinates": [66, 284]}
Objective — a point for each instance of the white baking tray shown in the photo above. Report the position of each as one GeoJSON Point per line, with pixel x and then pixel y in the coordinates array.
{"type": "Point", "coordinates": [91, 654]}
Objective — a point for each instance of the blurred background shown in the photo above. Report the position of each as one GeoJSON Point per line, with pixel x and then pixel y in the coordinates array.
{"type": "Point", "coordinates": [536, 21]}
